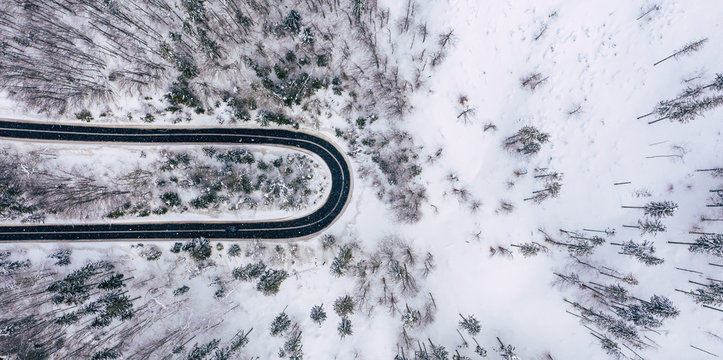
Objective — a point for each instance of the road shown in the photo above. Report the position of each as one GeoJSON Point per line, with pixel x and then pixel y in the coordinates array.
{"type": "Point", "coordinates": [272, 229]}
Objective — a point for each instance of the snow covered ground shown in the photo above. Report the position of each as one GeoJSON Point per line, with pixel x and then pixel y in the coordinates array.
{"type": "Point", "coordinates": [596, 59]}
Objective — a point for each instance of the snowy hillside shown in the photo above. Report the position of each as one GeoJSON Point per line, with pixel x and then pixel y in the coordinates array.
{"type": "Point", "coordinates": [530, 182]}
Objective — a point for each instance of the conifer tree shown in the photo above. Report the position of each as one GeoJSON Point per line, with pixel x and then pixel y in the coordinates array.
{"type": "Point", "coordinates": [470, 324]}
{"type": "Point", "coordinates": [318, 315]}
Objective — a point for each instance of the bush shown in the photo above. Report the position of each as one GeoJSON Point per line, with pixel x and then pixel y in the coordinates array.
{"type": "Point", "coordinates": [84, 115]}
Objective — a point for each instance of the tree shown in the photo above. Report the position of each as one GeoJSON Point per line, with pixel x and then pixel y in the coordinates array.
{"type": "Point", "coordinates": [651, 226]}
{"type": "Point", "coordinates": [292, 346]}
{"type": "Point", "coordinates": [318, 315]}
{"type": "Point", "coordinates": [708, 243]}
{"type": "Point", "coordinates": [643, 252]}
{"type": "Point", "coordinates": [270, 281]}
{"type": "Point", "coordinates": [638, 315]}
{"type": "Point", "coordinates": [234, 250]}
{"type": "Point", "coordinates": [470, 324]}
{"type": "Point", "coordinates": [344, 327]}
{"type": "Point", "coordinates": [661, 306]}
{"type": "Point", "coordinates": [658, 209]}
{"type": "Point", "coordinates": [710, 294]}
{"type": "Point", "coordinates": [280, 324]}
{"type": "Point", "coordinates": [62, 256]}
{"type": "Point", "coordinates": [249, 271]}
{"type": "Point", "coordinates": [292, 22]}
{"type": "Point", "coordinates": [411, 317]}
{"type": "Point", "coordinates": [687, 49]}
{"type": "Point", "coordinates": [199, 249]}
{"type": "Point", "coordinates": [344, 306]}
{"type": "Point", "coordinates": [527, 140]}
{"type": "Point", "coordinates": [437, 352]}
{"type": "Point", "coordinates": [507, 352]}
{"type": "Point", "coordinates": [341, 262]}
{"type": "Point", "coordinates": [105, 354]}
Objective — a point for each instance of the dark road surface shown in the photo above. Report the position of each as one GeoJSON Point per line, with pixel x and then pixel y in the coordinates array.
{"type": "Point", "coordinates": [272, 229]}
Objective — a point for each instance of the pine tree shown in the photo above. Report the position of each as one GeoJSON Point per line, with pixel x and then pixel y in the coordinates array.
{"type": "Point", "coordinates": [358, 7]}
{"type": "Point", "coordinates": [318, 315]}
{"type": "Point", "coordinates": [307, 37]}
{"type": "Point", "coordinates": [507, 352]}
{"type": "Point", "coordinates": [527, 140]}
{"type": "Point", "coordinates": [234, 250]}
{"type": "Point", "coordinates": [292, 347]}
{"type": "Point", "coordinates": [344, 305]}
{"type": "Point", "coordinates": [200, 249]}
{"type": "Point", "coordinates": [437, 352]}
{"type": "Point", "coordinates": [661, 306]}
{"type": "Point", "coordinates": [105, 354]}
{"type": "Point", "coordinates": [270, 281]}
{"type": "Point", "coordinates": [280, 324]}
{"type": "Point", "coordinates": [709, 243]}
{"type": "Point", "coordinates": [660, 209]}
{"type": "Point", "coordinates": [411, 317]}
{"type": "Point", "coordinates": [341, 262]}
{"type": "Point", "coordinates": [638, 315]}
{"type": "Point", "coordinates": [711, 294]}
{"type": "Point", "coordinates": [717, 83]}
{"type": "Point", "coordinates": [292, 22]}
{"type": "Point", "coordinates": [651, 226]}
{"type": "Point", "coordinates": [643, 252]}
{"type": "Point", "coordinates": [344, 327]}
{"type": "Point", "coordinates": [249, 271]}
{"type": "Point", "coordinates": [470, 324]}
{"type": "Point", "coordinates": [611, 348]}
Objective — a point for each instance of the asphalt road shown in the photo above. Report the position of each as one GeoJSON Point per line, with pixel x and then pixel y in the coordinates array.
{"type": "Point", "coordinates": [273, 229]}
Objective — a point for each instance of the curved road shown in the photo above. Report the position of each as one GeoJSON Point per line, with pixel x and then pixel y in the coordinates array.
{"type": "Point", "coordinates": [273, 229]}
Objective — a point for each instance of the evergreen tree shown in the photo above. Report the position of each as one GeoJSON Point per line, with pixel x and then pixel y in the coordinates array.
{"type": "Point", "coordinates": [105, 354]}
{"type": "Point", "coordinates": [527, 140]}
{"type": "Point", "coordinates": [270, 281]}
{"type": "Point", "coordinates": [643, 252]}
{"type": "Point", "coordinates": [200, 352]}
{"type": "Point", "coordinates": [470, 324]}
{"type": "Point", "coordinates": [292, 347]}
{"type": "Point", "coordinates": [437, 352]}
{"type": "Point", "coordinates": [711, 294]}
{"type": "Point", "coordinates": [411, 317]}
{"type": "Point", "coordinates": [507, 352]}
{"type": "Point", "coordinates": [638, 315]}
{"type": "Point", "coordinates": [341, 262]}
{"type": "Point", "coordinates": [292, 23]}
{"type": "Point", "coordinates": [318, 315]}
{"type": "Point", "coordinates": [709, 243]}
{"type": "Point", "coordinates": [249, 271]}
{"type": "Point", "coordinates": [661, 306]}
{"type": "Point", "coordinates": [611, 348]}
{"type": "Point", "coordinates": [234, 250]}
{"type": "Point", "coordinates": [307, 37]}
{"type": "Point", "coordinates": [200, 249]}
{"type": "Point", "coordinates": [62, 255]}
{"type": "Point", "coordinates": [344, 305]}
{"type": "Point", "coordinates": [280, 324]}
{"type": "Point", "coordinates": [344, 327]}
{"type": "Point", "coordinates": [658, 209]}
{"type": "Point", "coordinates": [651, 226]}
{"type": "Point", "coordinates": [358, 7]}
{"type": "Point", "coordinates": [112, 282]}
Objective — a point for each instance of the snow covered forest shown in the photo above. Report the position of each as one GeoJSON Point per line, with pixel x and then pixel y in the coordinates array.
{"type": "Point", "coordinates": [531, 180]}
{"type": "Point", "coordinates": [47, 184]}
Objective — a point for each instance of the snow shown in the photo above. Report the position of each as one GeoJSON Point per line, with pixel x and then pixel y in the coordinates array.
{"type": "Point", "coordinates": [595, 55]}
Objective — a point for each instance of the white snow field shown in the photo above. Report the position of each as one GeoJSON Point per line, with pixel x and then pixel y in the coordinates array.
{"type": "Point", "coordinates": [595, 60]}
